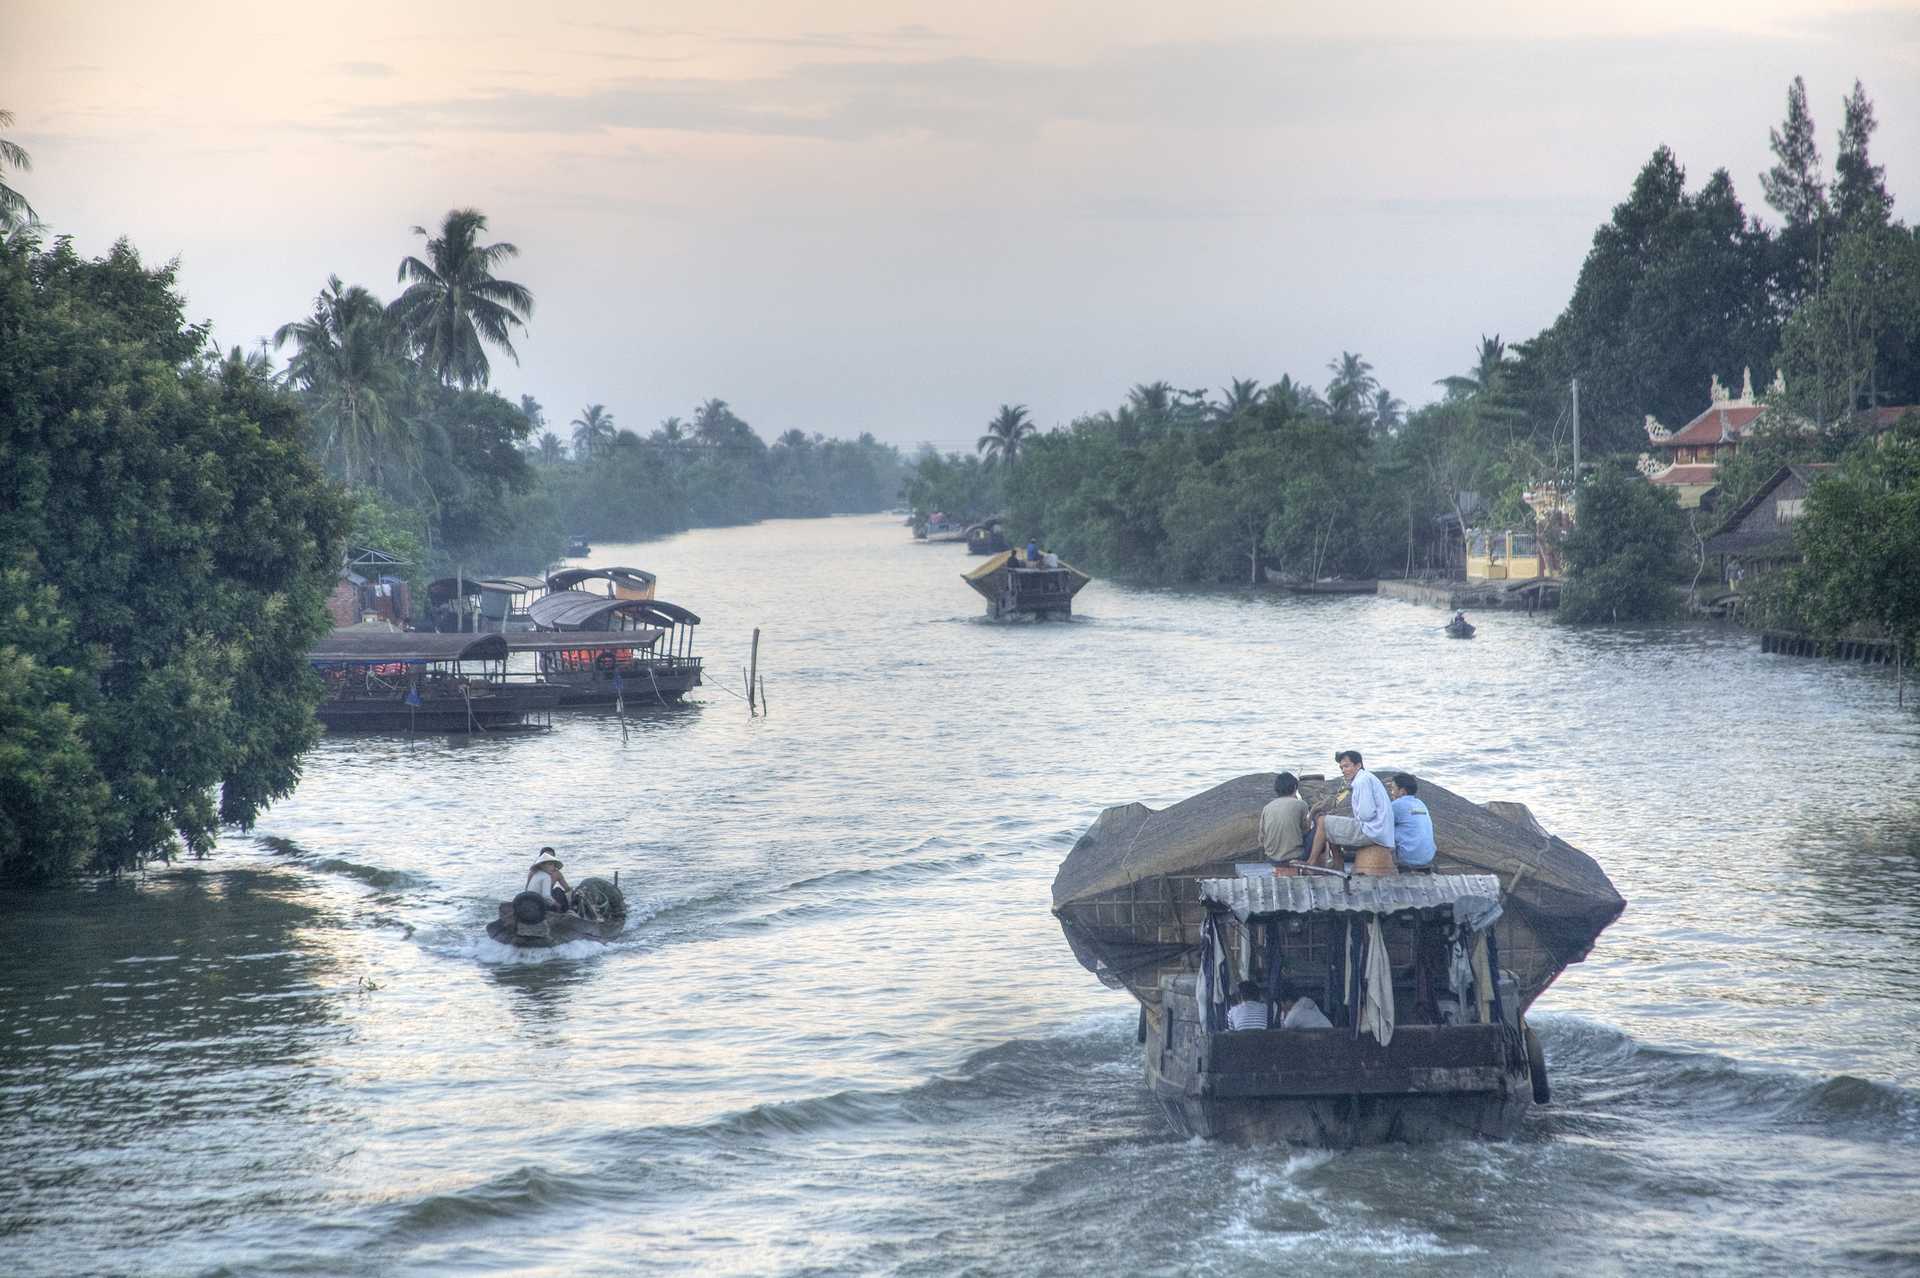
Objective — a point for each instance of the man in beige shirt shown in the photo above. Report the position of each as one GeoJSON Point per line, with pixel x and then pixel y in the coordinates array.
{"type": "Point", "coordinates": [1283, 822]}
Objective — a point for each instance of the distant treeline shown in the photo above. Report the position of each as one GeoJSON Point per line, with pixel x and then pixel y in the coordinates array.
{"type": "Point", "coordinates": [1679, 287]}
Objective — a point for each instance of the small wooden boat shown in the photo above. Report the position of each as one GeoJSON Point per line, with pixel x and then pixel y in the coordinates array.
{"type": "Point", "coordinates": [380, 680]}
{"type": "Point", "coordinates": [940, 528]}
{"type": "Point", "coordinates": [1426, 977]}
{"type": "Point", "coordinates": [577, 545]}
{"type": "Point", "coordinates": [986, 538]}
{"type": "Point", "coordinates": [1334, 586]}
{"type": "Point", "coordinates": [1013, 590]}
{"type": "Point", "coordinates": [602, 651]}
{"type": "Point", "coordinates": [1460, 629]}
{"type": "Point", "coordinates": [529, 921]}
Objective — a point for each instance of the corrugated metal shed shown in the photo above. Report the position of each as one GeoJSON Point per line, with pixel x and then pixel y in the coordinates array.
{"type": "Point", "coordinates": [1273, 894]}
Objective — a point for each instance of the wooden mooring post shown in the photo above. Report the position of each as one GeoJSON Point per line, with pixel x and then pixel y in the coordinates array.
{"type": "Point", "coordinates": [753, 671]}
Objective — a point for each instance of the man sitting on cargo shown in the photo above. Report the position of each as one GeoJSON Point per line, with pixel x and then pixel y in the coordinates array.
{"type": "Point", "coordinates": [1412, 825]}
{"type": "Point", "coordinates": [546, 880]}
{"type": "Point", "coordinates": [1250, 1012]}
{"type": "Point", "coordinates": [1371, 823]}
{"type": "Point", "coordinates": [1300, 1012]}
{"type": "Point", "coordinates": [1284, 822]}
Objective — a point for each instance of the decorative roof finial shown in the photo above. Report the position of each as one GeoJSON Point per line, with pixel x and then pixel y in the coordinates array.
{"type": "Point", "coordinates": [1717, 391]}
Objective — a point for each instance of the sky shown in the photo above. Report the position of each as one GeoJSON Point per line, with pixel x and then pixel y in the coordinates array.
{"type": "Point", "coordinates": [848, 215]}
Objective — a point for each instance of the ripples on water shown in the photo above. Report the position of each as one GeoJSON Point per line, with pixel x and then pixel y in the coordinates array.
{"type": "Point", "coordinates": [842, 1033]}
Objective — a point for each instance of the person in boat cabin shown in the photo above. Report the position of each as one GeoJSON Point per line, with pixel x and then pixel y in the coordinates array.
{"type": "Point", "coordinates": [1412, 824]}
{"type": "Point", "coordinates": [1297, 1011]}
{"type": "Point", "coordinates": [1250, 1012]}
{"type": "Point", "coordinates": [545, 878]}
{"type": "Point", "coordinates": [1372, 819]}
{"type": "Point", "coordinates": [1284, 822]}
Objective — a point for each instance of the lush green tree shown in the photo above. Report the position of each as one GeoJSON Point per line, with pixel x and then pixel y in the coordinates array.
{"type": "Point", "coordinates": [1490, 361]}
{"type": "Point", "coordinates": [1004, 434]}
{"type": "Point", "coordinates": [455, 307]}
{"type": "Point", "coordinates": [1860, 541]}
{"type": "Point", "coordinates": [1350, 392]}
{"type": "Point", "coordinates": [1854, 343]}
{"type": "Point", "coordinates": [551, 450]}
{"type": "Point", "coordinates": [14, 209]}
{"type": "Point", "coordinates": [1859, 185]}
{"type": "Point", "coordinates": [347, 365]}
{"type": "Point", "coordinates": [171, 547]}
{"type": "Point", "coordinates": [1239, 399]}
{"type": "Point", "coordinates": [592, 432]}
{"type": "Point", "coordinates": [1623, 552]}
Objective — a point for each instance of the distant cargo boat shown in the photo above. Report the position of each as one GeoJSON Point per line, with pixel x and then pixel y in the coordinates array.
{"type": "Point", "coordinates": [940, 528]}
{"type": "Point", "coordinates": [1014, 590]}
{"type": "Point", "coordinates": [1422, 980]}
{"type": "Point", "coordinates": [986, 538]}
{"type": "Point", "coordinates": [381, 680]}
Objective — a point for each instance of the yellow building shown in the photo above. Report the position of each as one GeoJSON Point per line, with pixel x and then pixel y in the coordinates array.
{"type": "Point", "coordinates": [1503, 555]}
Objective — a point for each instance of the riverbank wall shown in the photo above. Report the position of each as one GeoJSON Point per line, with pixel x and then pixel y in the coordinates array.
{"type": "Point", "coordinates": [1456, 595]}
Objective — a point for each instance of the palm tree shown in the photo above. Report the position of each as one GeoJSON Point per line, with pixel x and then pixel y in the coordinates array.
{"type": "Point", "coordinates": [346, 366]}
{"type": "Point", "coordinates": [671, 431]}
{"type": "Point", "coordinates": [455, 305]}
{"type": "Point", "coordinates": [534, 412]}
{"type": "Point", "coordinates": [550, 450]}
{"type": "Point", "coordinates": [1241, 397]}
{"type": "Point", "coordinates": [1004, 434]}
{"type": "Point", "coordinates": [1488, 365]}
{"type": "Point", "coordinates": [794, 439]}
{"type": "Point", "coordinates": [1387, 412]}
{"type": "Point", "coordinates": [14, 209]}
{"type": "Point", "coordinates": [1152, 402]}
{"type": "Point", "coordinates": [592, 432]}
{"type": "Point", "coordinates": [1350, 392]}
{"type": "Point", "coordinates": [713, 423]}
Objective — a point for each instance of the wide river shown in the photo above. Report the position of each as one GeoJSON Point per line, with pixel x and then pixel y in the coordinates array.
{"type": "Point", "coordinates": [842, 1032]}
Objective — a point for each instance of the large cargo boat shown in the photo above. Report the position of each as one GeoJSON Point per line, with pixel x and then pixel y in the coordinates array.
{"type": "Point", "coordinates": [1426, 978]}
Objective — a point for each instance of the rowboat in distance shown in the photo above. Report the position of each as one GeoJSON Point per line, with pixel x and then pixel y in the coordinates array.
{"type": "Point", "coordinates": [577, 545]}
{"type": "Point", "coordinates": [1426, 978]}
{"type": "Point", "coordinates": [986, 537]}
{"type": "Point", "coordinates": [1014, 590]}
{"type": "Point", "coordinates": [383, 680]}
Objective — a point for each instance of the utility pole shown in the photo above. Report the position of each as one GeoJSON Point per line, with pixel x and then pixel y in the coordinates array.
{"type": "Point", "coordinates": [1576, 435]}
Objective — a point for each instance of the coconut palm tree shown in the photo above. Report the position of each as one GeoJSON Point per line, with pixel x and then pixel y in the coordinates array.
{"type": "Point", "coordinates": [14, 209]}
{"type": "Point", "coordinates": [714, 423]}
{"type": "Point", "coordinates": [346, 366]}
{"type": "Point", "coordinates": [550, 450]}
{"type": "Point", "coordinates": [455, 306]}
{"type": "Point", "coordinates": [671, 431]}
{"type": "Point", "coordinates": [1350, 393]}
{"type": "Point", "coordinates": [1489, 364]}
{"type": "Point", "coordinates": [794, 439]}
{"type": "Point", "coordinates": [1388, 412]}
{"type": "Point", "coordinates": [1004, 434]}
{"type": "Point", "coordinates": [1241, 397]}
{"type": "Point", "coordinates": [592, 432]}
{"type": "Point", "coordinates": [534, 412]}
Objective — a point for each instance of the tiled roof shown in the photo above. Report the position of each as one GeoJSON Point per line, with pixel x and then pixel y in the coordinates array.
{"type": "Point", "coordinates": [1713, 425]}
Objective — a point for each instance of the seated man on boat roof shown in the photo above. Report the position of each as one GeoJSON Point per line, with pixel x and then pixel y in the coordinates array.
{"type": "Point", "coordinates": [1250, 1011]}
{"type": "Point", "coordinates": [546, 880]}
{"type": "Point", "coordinates": [1412, 825]}
{"type": "Point", "coordinates": [1297, 1011]}
{"type": "Point", "coordinates": [1284, 822]}
{"type": "Point", "coordinates": [1371, 824]}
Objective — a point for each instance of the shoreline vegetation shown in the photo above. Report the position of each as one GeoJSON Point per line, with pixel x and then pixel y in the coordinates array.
{"type": "Point", "coordinates": [173, 514]}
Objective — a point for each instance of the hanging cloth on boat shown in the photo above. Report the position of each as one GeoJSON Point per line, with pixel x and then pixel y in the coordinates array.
{"type": "Point", "coordinates": [1482, 980]}
{"type": "Point", "coordinates": [1376, 1004]}
{"type": "Point", "coordinates": [1273, 971]}
{"type": "Point", "coordinates": [1211, 986]}
{"type": "Point", "coordinates": [1460, 975]}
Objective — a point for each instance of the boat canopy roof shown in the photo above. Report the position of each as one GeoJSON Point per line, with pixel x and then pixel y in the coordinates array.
{"type": "Point", "coordinates": [631, 578]}
{"type": "Point", "coordinates": [987, 578]}
{"type": "Point", "coordinates": [578, 610]}
{"type": "Point", "coordinates": [1470, 896]}
{"type": "Point", "coordinates": [441, 589]}
{"type": "Point", "coordinates": [364, 647]}
{"type": "Point", "coordinates": [587, 641]}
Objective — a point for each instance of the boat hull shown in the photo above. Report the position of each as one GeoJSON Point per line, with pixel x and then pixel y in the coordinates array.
{"type": "Point", "coordinates": [555, 929]}
{"type": "Point", "coordinates": [640, 685]}
{"type": "Point", "coordinates": [1331, 1088]}
{"type": "Point", "coordinates": [505, 706]}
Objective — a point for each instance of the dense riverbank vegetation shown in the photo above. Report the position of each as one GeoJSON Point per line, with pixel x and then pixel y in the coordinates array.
{"type": "Point", "coordinates": [1678, 286]}
{"type": "Point", "coordinates": [168, 546]}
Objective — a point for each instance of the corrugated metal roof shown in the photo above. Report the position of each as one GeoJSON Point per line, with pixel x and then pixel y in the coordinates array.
{"type": "Point", "coordinates": [1273, 894]}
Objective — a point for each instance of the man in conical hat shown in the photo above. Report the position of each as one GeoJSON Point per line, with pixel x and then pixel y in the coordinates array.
{"type": "Point", "coordinates": [545, 879]}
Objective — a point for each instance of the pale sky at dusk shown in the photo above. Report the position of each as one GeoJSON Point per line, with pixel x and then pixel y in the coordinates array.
{"type": "Point", "coordinates": [893, 217]}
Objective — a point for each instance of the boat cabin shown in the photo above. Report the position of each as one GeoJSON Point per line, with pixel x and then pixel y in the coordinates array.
{"type": "Point", "coordinates": [386, 680]}
{"type": "Point", "coordinates": [1013, 589]}
{"type": "Point", "coordinates": [614, 583]}
{"type": "Point", "coordinates": [482, 605]}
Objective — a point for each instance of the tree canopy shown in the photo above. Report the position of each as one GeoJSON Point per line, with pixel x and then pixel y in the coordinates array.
{"type": "Point", "coordinates": [169, 549]}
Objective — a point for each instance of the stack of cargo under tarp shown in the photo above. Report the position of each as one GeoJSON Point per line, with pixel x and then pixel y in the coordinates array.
{"type": "Point", "coordinates": [1128, 896]}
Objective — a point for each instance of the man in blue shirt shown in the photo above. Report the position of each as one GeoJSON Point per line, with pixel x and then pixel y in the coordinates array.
{"type": "Point", "coordinates": [1412, 826]}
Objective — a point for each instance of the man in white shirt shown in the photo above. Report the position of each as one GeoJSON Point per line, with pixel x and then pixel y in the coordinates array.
{"type": "Point", "coordinates": [1284, 821]}
{"type": "Point", "coordinates": [1250, 1012]}
{"type": "Point", "coordinates": [1372, 819]}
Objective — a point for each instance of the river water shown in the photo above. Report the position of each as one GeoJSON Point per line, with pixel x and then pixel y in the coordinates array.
{"type": "Point", "coordinates": [842, 1033]}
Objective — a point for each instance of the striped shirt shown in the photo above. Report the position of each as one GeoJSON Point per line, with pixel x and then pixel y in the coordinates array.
{"type": "Point", "coordinates": [1247, 1016]}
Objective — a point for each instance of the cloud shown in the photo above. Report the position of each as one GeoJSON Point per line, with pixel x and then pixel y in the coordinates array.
{"type": "Point", "coordinates": [364, 70]}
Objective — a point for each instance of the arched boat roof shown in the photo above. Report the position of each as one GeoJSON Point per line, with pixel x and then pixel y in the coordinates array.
{"type": "Point", "coordinates": [632, 578]}
{"type": "Point", "coordinates": [390, 647]}
{"type": "Point", "coordinates": [578, 610]}
{"type": "Point", "coordinates": [441, 589]}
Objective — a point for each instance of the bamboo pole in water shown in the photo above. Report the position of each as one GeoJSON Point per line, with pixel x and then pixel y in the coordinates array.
{"type": "Point", "coordinates": [753, 669]}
